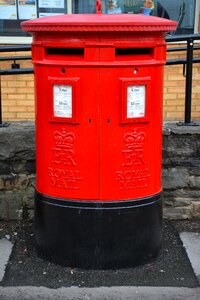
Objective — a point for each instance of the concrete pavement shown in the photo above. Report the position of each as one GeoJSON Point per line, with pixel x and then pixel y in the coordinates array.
{"type": "Point", "coordinates": [191, 242]}
{"type": "Point", "coordinates": [101, 293]}
{"type": "Point", "coordinates": [5, 251]}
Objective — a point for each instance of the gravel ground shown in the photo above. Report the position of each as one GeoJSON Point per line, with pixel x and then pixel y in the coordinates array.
{"type": "Point", "coordinates": [25, 268]}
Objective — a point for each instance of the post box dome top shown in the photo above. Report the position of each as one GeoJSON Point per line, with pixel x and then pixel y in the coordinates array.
{"type": "Point", "coordinates": [99, 23]}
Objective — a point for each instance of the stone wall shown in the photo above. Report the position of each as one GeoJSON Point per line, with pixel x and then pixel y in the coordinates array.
{"type": "Point", "coordinates": [17, 170]}
{"type": "Point", "coordinates": [181, 171]}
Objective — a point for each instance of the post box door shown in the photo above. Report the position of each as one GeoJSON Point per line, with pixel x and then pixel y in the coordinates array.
{"type": "Point", "coordinates": [130, 132]}
{"type": "Point", "coordinates": [68, 142]}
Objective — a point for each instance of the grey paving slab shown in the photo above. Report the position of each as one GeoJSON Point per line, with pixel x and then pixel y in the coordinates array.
{"type": "Point", "coordinates": [101, 293]}
{"type": "Point", "coordinates": [5, 251]}
{"type": "Point", "coordinates": [191, 242]}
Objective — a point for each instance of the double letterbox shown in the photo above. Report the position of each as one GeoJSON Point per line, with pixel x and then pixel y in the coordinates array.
{"type": "Point", "coordinates": [98, 87]}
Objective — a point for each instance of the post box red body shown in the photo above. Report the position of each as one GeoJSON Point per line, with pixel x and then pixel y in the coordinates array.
{"type": "Point", "coordinates": [98, 87]}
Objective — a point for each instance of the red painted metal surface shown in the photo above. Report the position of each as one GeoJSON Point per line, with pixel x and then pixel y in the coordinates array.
{"type": "Point", "coordinates": [97, 150]}
{"type": "Point", "coordinates": [98, 7]}
{"type": "Point", "coordinates": [99, 23]}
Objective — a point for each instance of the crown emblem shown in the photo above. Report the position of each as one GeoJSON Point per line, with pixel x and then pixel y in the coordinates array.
{"type": "Point", "coordinates": [64, 139]}
{"type": "Point", "coordinates": [134, 139]}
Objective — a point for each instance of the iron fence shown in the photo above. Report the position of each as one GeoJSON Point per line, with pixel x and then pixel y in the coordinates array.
{"type": "Point", "coordinates": [15, 68]}
{"type": "Point", "coordinates": [186, 61]}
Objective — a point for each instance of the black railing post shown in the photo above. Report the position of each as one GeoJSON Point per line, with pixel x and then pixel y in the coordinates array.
{"type": "Point", "coordinates": [188, 83]}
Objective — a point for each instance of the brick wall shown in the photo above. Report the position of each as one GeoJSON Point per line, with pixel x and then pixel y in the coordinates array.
{"type": "Point", "coordinates": [174, 88]}
{"type": "Point", "coordinates": [18, 91]}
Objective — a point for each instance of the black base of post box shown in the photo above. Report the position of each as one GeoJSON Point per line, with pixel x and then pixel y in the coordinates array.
{"type": "Point", "coordinates": [98, 235]}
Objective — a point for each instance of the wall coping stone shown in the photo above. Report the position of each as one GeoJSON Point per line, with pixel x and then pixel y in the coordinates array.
{"type": "Point", "coordinates": [173, 128]}
{"type": "Point", "coordinates": [169, 127]}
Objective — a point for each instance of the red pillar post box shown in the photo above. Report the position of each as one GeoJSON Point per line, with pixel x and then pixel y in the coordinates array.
{"type": "Point", "coordinates": [98, 86]}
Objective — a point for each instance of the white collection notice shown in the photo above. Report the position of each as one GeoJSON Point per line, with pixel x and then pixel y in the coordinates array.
{"type": "Point", "coordinates": [62, 101]}
{"type": "Point", "coordinates": [136, 95]}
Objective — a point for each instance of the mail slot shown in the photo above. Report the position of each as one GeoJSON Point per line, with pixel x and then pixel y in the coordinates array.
{"type": "Point", "coordinates": [98, 85]}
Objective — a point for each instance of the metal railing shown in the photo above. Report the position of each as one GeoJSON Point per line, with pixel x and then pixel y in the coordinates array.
{"type": "Point", "coordinates": [187, 63]}
{"type": "Point", "coordinates": [15, 68]}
